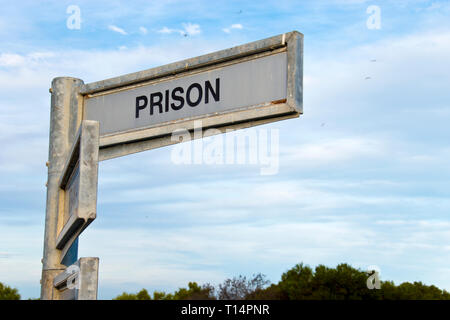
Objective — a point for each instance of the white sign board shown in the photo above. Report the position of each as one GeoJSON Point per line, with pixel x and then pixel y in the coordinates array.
{"type": "Point", "coordinates": [248, 85]}
{"type": "Point", "coordinates": [219, 90]}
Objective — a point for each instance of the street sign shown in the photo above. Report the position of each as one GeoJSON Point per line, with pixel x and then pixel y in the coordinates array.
{"type": "Point", "coordinates": [79, 281]}
{"type": "Point", "coordinates": [78, 187]}
{"type": "Point", "coordinates": [248, 85]}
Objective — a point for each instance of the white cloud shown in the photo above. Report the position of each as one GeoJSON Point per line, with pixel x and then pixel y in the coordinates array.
{"type": "Point", "coordinates": [117, 29]}
{"type": "Point", "coordinates": [8, 60]}
{"type": "Point", "coordinates": [333, 151]}
{"type": "Point", "coordinates": [434, 6]}
{"type": "Point", "coordinates": [24, 265]}
{"type": "Point", "coordinates": [391, 73]}
{"type": "Point", "coordinates": [285, 200]}
{"type": "Point", "coordinates": [189, 29]}
{"type": "Point", "coordinates": [11, 60]}
{"type": "Point", "coordinates": [143, 30]}
{"type": "Point", "coordinates": [167, 30]}
{"type": "Point", "coordinates": [233, 26]}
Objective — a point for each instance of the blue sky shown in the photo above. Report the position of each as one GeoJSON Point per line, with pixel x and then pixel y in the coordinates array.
{"type": "Point", "coordinates": [363, 176]}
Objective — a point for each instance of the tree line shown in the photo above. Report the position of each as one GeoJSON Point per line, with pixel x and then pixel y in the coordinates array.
{"type": "Point", "coordinates": [298, 283]}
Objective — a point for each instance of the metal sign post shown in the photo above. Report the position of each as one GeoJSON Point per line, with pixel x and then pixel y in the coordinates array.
{"type": "Point", "coordinates": [248, 85]}
{"type": "Point", "coordinates": [65, 118]}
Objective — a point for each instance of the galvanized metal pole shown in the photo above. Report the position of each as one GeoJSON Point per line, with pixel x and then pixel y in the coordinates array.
{"type": "Point", "coordinates": [65, 118]}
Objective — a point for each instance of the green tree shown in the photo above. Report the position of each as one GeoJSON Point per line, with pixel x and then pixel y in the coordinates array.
{"type": "Point", "coordinates": [8, 293]}
{"type": "Point", "coordinates": [296, 283]}
{"type": "Point", "coordinates": [342, 283]}
{"type": "Point", "coordinates": [160, 295]}
{"type": "Point", "coordinates": [141, 295]}
{"type": "Point", "coordinates": [301, 283]}
{"type": "Point", "coordinates": [273, 292]}
{"type": "Point", "coordinates": [195, 292]}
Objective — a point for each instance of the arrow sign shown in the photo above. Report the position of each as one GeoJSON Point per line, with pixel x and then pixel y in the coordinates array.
{"type": "Point", "coordinates": [77, 206]}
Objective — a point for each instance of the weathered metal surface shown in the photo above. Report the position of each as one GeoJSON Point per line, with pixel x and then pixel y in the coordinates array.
{"type": "Point", "coordinates": [78, 186]}
{"type": "Point", "coordinates": [125, 134]}
{"type": "Point", "coordinates": [218, 90]}
{"type": "Point", "coordinates": [294, 42]}
{"type": "Point", "coordinates": [206, 60]}
{"type": "Point", "coordinates": [63, 117]}
{"type": "Point", "coordinates": [79, 281]}
{"type": "Point", "coordinates": [162, 135]}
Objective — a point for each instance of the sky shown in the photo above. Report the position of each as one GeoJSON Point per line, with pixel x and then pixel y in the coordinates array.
{"type": "Point", "coordinates": [363, 175]}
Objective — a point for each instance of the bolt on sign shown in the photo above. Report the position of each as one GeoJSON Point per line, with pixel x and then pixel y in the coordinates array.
{"type": "Point", "coordinates": [244, 86]}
